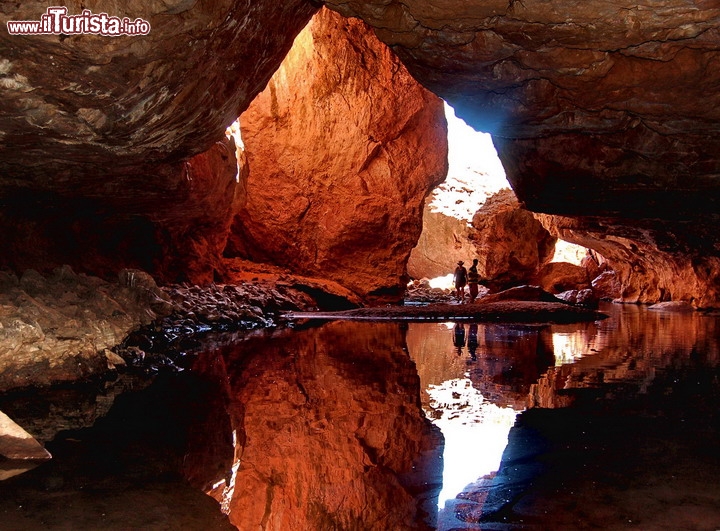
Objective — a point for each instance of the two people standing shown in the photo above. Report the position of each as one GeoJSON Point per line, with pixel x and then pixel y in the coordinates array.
{"type": "Point", "coordinates": [463, 277]}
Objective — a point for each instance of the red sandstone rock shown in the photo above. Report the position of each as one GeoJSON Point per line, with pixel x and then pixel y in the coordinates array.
{"type": "Point", "coordinates": [647, 261]}
{"type": "Point", "coordinates": [557, 277]}
{"type": "Point", "coordinates": [343, 147]}
{"type": "Point", "coordinates": [172, 224]}
{"type": "Point", "coordinates": [607, 286]}
{"type": "Point", "coordinates": [511, 244]}
{"type": "Point", "coordinates": [98, 134]}
{"type": "Point", "coordinates": [604, 110]}
{"type": "Point", "coordinates": [582, 297]}
{"type": "Point", "coordinates": [443, 242]}
{"type": "Point", "coordinates": [520, 293]}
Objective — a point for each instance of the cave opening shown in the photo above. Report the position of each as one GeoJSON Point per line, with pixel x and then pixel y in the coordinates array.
{"type": "Point", "coordinates": [155, 285]}
{"type": "Point", "coordinates": [475, 177]}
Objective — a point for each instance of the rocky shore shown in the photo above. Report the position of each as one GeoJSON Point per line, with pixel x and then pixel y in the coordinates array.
{"type": "Point", "coordinates": [67, 327]}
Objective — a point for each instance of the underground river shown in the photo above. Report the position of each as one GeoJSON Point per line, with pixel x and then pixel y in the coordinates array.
{"type": "Point", "coordinates": [611, 424]}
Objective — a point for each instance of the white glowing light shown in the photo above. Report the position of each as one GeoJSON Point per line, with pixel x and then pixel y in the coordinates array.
{"type": "Point", "coordinates": [233, 131]}
{"type": "Point", "coordinates": [445, 282]}
{"type": "Point", "coordinates": [475, 430]}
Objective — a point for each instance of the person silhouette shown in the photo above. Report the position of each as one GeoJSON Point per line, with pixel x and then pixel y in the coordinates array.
{"type": "Point", "coordinates": [473, 279]}
{"type": "Point", "coordinates": [460, 279]}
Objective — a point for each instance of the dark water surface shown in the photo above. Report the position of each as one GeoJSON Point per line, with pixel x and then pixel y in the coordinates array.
{"type": "Point", "coordinates": [392, 426]}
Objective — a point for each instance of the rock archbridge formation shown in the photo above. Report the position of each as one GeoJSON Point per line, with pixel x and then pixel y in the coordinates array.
{"type": "Point", "coordinates": [604, 110]}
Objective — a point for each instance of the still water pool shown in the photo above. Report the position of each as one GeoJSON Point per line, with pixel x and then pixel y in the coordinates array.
{"type": "Point", "coordinates": [345, 425]}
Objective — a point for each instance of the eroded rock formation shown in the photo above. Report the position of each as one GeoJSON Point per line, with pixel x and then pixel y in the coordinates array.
{"type": "Point", "coordinates": [597, 109]}
{"type": "Point", "coordinates": [653, 261]}
{"type": "Point", "coordinates": [443, 242]}
{"type": "Point", "coordinates": [511, 244]}
{"type": "Point", "coordinates": [343, 146]}
{"type": "Point", "coordinates": [557, 277]}
{"type": "Point", "coordinates": [580, 95]}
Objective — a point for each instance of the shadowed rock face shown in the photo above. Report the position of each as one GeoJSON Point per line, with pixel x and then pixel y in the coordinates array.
{"type": "Point", "coordinates": [343, 147]}
{"type": "Point", "coordinates": [97, 134]}
{"type": "Point", "coordinates": [71, 101]}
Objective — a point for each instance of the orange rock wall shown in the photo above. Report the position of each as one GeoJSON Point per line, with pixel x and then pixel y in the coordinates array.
{"type": "Point", "coordinates": [343, 146]}
{"type": "Point", "coordinates": [511, 244]}
{"type": "Point", "coordinates": [650, 264]}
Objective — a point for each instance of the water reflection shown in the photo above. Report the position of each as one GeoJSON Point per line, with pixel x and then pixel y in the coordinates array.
{"type": "Point", "coordinates": [622, 431]}
{"type": "Point", "coordinates": [607, 425]}
{"type": "Point", "coordinates": [475, 380]}
{"type": "Point", "coordinates": [330, 432]}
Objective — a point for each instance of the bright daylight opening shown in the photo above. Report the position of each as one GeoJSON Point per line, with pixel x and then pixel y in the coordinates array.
{"type": "Point", "coordinates": [233, 131]}
{"type": "Point", "coordinates": [475, 173]}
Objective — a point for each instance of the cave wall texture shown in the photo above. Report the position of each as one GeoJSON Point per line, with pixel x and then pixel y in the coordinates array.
{"type": "Point", "coordinates": [603, 112]}
{"type": "Point", "coordinates": [98, 134]}
{"type": "Point", "coordinates": [606, 109]}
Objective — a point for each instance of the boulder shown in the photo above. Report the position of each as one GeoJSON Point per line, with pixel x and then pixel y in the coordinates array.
{"type": "Point", "coordinates": [607, 286]}
{"type": "Point", "coordinates": [343, 147]}
{"type": "Point", "coordinates": [557, 277]}
{"type": "Point", "coordinates": [511, 244]}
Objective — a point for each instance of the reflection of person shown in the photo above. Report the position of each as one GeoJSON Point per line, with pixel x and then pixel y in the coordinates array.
{"type": "Point", "coordinates": [473, 278]}
{"type": "Point", "coordinates": [459, 337]}
{"type": "Point", "coordinates": [460, 279]}
{"type": "Point", "coordinates": [473, 340]}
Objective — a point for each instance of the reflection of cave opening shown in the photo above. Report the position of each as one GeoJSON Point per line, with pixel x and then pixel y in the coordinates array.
{"type": "Point", "coordinates": [475, 174]}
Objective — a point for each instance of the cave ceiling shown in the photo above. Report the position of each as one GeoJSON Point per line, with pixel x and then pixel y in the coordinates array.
{"type": "Point", "coordinates": [597, 108]}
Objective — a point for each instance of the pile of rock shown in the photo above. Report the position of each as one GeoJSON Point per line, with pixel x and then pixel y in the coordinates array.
{"type": "Point", "coordinates": [67, 327]}
{"type": "Point", "coordinates": [421, 292]}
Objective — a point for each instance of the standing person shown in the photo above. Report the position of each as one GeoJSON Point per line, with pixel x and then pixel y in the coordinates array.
{"type": "Point", "coordinates": [460, 279]}
{"type": "Point", "coordinates": [473, 278]}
